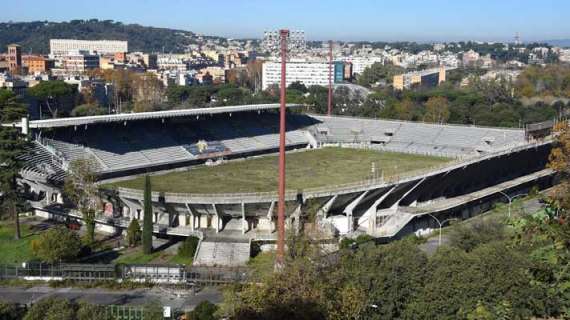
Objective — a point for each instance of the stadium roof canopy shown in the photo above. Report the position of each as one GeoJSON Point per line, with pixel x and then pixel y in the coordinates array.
{"type": "Point", "coordinates": [78, 121]}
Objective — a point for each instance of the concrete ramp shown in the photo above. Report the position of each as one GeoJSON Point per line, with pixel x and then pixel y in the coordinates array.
{"type": "Point", "coordinates": [222, 254]}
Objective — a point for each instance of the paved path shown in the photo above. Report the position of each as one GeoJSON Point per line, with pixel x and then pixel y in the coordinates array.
{"type": "Point", "coordinates": [177, 299]}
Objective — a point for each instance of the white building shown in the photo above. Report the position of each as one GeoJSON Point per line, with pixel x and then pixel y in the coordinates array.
{"type": "Point", "coordinates": [60, 47]}
{"type": "Point", "coordinates": [80, 61]}
{"type": "Point", "coordinates": [359, 64]}
{"type": "Point", "coordinates": [306, 72]}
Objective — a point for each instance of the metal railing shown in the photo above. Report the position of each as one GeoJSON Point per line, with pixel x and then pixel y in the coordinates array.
{"type": "Point", "coordinates": [143, 273]}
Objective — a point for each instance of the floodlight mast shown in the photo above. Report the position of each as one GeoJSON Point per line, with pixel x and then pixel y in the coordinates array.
{"type": "Point", "coordinates": [330, 79]}
{"type": "Point", "coordinates": [280, 258]}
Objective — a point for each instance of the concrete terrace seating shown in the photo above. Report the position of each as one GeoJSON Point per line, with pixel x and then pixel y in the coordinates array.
{"type": "Point", "coordinates": [135, 144]}
{"type": "Point", "coordinates": [413, 137]}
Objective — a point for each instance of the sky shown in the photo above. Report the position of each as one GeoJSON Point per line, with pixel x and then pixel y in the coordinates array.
{"type": "Point", "coordinates": [350, 20]}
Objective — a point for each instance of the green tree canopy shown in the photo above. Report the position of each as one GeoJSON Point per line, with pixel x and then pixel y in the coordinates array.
{"type": "Point", "coordinates": [54, 95]}
{"type": "Point", "coordinates": [57, 244]}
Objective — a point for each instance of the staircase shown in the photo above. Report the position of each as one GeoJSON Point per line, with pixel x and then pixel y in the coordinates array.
{"type": "Point", "coordinates": [222, 254]}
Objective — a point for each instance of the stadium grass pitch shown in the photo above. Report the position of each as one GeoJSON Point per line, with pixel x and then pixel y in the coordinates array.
{"type": "Point", "coordinates": [304, 169]}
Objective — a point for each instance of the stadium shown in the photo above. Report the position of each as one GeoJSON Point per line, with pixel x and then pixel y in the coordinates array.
{"type": "Point", "coordinates": [214, 172]}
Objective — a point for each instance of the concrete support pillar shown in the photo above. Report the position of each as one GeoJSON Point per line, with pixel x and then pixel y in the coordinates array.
{"type": "Point", "coordinates": [191, 220]}
{"type": "Point", "coordinates": [244, 226]}
{"type": "Point", "coordinates": [372, 212]}
{"type": "Point", "coordinates": [270, 216]}
{"type": "Point", "coordinates": [217, 220]}
{"type": "Point", "coordinates": [297, 215]}
{"type": "Point", "coordinates": [324, 210]}
{"type": "Point", "coordinates": [349, 208]}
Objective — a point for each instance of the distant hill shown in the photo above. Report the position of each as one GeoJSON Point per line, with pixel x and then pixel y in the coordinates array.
{"type": "Point", "coordinates": [564, 43]}
{"type": "Point", "coordinates": [35, 35]}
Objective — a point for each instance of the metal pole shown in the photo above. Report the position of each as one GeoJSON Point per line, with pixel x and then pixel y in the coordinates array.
{"type": "Point", "coordinates": [330, 79]}
{"type": "Point", "coordinates": [281, 201]}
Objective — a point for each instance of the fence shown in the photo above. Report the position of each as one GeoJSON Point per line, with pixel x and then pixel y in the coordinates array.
{"type": "Point", "coordinates": [155, 274]}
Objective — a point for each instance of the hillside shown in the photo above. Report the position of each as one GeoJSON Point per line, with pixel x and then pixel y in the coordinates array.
{"type": "Point", "coordinates": [35, 35]}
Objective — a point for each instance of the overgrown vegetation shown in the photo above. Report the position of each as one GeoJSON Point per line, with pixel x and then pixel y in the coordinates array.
{"type": "Point", "coordinates": [57, 244]}
{"type": "Point", "coordinates": [306, 169]}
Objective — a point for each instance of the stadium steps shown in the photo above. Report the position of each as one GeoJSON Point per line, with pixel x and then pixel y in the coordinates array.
{"type": "Point", "coordinates": [222, 253]}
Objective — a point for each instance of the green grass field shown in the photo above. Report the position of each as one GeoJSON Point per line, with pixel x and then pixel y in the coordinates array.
{"type": "Point", "coordinates": [306, 169]}
{"type": "Point", "coordinates": [15, 251]}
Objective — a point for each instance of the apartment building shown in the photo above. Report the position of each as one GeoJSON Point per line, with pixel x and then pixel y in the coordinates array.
{"type": "Point", "coordinates": [37, 64]}
{"type": "Point", "coordinates": [80, 61]}
{"type": "Point", "coordinates": [430, 77]}
{"type": "Point", "coordinates": [307, 72]}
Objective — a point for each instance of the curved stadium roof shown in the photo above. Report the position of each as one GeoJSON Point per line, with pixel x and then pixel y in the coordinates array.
{"type": "Point", "coordinates": [78, 121]}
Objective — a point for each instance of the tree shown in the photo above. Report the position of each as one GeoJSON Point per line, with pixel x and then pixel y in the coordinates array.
{"type": "Point", "coordinates": [80, 187]}
{"type": "Point", "coordinates": [57, 244]}
{"type": "Point", "coordinates": [404, 109]}
{"type": "Point", "coordinates": [147, 219]}
{"type": "Point", "coordinates": [205, 310]}
{"type": "Point", "coordinates": [134, 233]}
{"type": "Point", "coordinates": [53, 94]}
{"type": "Point", "coordinates": [473, 235]}
{"type": "Point", "coordinates": [379, 72]}
{"type": "Point", "coordinates": [87, 110]}
{"type": "Point", "coordinates": [437, 110]}
{"type": "Point", "coordinates": [299, 86]}
{"type": "Point", "coordinates": [188, 247]}
{"type": "Point", "coordinates": [147, 91]}
{"type": "Point", "coordinates": [11, 311]}
{"type": "Point", "coordinates": [12, 147]}
{"type": "Point", "coordinates": [153, 311]}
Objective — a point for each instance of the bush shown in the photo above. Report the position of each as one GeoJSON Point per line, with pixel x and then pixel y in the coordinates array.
{"type": "Point", "coordinates": [188, 247]}
{"type": "Point", "coordinates": [205, 310]}
{"type": "Point", "coordinates": [57, 244]}
{"type": "Point", "coordinates": [153, 311]}
{"type": "Point", "coordinates": [468, 237]}
{"type": "Point", "coordinates": [11, 311]}
{"type": "Point", "coordinates": [51, 309]}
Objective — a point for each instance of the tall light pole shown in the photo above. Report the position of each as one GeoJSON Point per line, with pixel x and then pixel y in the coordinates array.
{"type": "Point", "coordinates": [510, 199]}
{"type": "Point", "coordinates": [329, 110]}
{"type": "Point", "coordinates": [441, 224]}
{"type": "Point", "coordinates": [284, 34]}
{"type": "Point", "coordinates": [282, 43]}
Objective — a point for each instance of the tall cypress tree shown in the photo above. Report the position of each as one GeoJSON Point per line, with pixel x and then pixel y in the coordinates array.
{"type": "Point", "coordinates": [12, 146]}
{"type": "Point", "coordinates": [147, 221]}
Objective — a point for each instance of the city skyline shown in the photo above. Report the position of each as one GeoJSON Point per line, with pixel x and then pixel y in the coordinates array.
{"type": "Point", "coordinates": [421, 21]}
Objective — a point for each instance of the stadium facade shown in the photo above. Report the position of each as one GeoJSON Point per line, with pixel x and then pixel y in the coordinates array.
{"type": "Point", "coordinates": [489, 162]}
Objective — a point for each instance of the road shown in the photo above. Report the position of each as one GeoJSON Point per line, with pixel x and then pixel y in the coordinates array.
{"type": "Point", "coordinates": [177, 299]}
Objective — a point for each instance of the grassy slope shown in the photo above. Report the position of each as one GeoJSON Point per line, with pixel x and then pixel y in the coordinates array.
{"type": "Point", "coordinates": [135, 256]}
{"type": "Point", "coordinates": [328, 166]}
{"type": "Point", "coordinates": [15, 251]}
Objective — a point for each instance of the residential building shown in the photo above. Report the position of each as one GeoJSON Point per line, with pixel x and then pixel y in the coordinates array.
{"type": "Point", "coordinates": [307, 72]}
{"type": "Point", "coordinates": [470, 58]}
{"type": "Point", "coordinates": [80, 61]}
{"type": "Point", "coordinates": [430, 77]}
{"type": "Point", "coordinates": [37, 64]}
